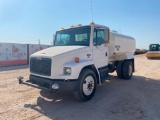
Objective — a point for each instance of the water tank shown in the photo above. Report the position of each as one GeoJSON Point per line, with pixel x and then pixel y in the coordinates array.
{"type": "Point", "coordinates": [120, 46]}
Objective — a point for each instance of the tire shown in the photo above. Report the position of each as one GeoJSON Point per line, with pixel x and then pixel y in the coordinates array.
{"type": "Point", "coordinates": [87, 85]}
{"type": "Point", "coordinates": [119, 69]}
{"type": "Point", "coordinates": [127, 70]}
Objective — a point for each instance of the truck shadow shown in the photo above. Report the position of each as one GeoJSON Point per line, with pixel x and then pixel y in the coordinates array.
{"type": "Point", "coordinates": [8, 68]}
{"type": "Point", "coordinates": [62, 105]}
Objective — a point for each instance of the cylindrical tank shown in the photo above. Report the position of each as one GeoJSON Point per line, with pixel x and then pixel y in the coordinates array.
{"type": "Point", "coordinates": [120, 45]}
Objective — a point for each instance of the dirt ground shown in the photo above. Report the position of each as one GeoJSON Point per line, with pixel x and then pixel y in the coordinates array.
{"type": "Point", "coordinates": [138, 98]}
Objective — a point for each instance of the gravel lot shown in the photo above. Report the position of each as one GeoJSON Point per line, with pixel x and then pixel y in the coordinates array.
{"type": "Point", "coordinates": [138, 98]}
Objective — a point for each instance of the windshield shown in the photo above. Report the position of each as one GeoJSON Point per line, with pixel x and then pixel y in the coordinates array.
{"type": "Point", "coordinates": [75, 36]}
{"type": "Point", "coordinates": [154, 47]}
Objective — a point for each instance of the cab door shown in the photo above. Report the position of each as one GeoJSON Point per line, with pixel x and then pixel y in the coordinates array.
{"type": "Point", "coordinates": [100, 50]}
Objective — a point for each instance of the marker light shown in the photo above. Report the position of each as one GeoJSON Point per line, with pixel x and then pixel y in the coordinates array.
{"type": "Point", "coordinates": [76, 59]}
{"type": "Point", "coordinates": [79, 25]}
{"type": "Point", "coordinates": [92, 23]}
{"type": "Point", "coordinates": [71, 26]}
{"type": "Point", "coordinates": [62, 29]}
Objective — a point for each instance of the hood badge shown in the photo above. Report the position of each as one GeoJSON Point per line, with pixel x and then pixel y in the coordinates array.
{"type": "Point", "coordinates": [88, 55]}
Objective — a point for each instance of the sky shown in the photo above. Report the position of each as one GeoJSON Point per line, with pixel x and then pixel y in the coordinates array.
{"type": "Point", "coordinates": [31, 21]}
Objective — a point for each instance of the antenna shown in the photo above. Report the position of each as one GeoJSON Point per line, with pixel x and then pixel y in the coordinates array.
{"type": "Point", "coordinates": [92, 10]}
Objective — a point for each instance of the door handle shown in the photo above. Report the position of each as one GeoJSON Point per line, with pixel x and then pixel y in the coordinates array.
{"type": "Point", "coordinates": [106, 54]}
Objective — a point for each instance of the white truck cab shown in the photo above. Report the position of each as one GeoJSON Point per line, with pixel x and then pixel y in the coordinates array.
{"type": "Point", "coordinates": [81, 58]}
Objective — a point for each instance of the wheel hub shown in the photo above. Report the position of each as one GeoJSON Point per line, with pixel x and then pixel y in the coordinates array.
{"type": "Point", "coordinates": [130, 70]}
{"type": "Point", "coordinates": [88, 85]}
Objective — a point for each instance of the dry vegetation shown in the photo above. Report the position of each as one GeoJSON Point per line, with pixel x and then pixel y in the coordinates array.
{"type": "Point", "coordinates": [114, 100]}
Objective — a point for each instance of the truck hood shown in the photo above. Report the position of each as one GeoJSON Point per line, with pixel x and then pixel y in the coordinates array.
{"type": "Point", "coordinates": [59, 50]}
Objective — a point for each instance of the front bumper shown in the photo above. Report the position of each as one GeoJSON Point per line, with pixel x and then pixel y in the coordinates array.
{"type": "Point", "coordinates": [48, 84]}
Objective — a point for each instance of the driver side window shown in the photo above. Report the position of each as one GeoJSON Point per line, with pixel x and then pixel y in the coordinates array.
{"type": "Point", "coordinates": [62, 39]}
{"type": "Point", "coordinates": [98, 37]}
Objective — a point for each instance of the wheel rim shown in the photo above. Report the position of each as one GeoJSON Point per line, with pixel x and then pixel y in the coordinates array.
{"type": "Point", "coordinates": [88, 85]}
{"type": "Point", "coordinates": [130, 70]}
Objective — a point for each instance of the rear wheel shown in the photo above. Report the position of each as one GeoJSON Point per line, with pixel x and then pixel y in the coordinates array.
{"type": "Point", "coordinates": [127, 70]}
{"type": "Point", "coordinates": [87, 85]}
{"type": "Point", "coordinates": [119, 69]}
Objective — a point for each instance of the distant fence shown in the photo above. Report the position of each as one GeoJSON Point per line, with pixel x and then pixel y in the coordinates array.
{"type": "Point", "coordinates": [17, 54]}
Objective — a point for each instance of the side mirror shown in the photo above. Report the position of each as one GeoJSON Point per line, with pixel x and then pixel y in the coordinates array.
{"type": "Point", "coordinates": [54, 37]}
{"type": "Point", "coordinates": [106, 34]}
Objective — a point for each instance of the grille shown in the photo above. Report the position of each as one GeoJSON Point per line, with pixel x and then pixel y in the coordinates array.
{"type": "Point", "coordinates": [40, 66]}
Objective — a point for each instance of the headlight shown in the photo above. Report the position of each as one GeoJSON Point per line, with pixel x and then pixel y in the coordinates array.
{"type": "Point", "coordinates": [67, 70]}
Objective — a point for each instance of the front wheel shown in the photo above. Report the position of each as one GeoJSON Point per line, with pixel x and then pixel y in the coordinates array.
{"type": "Point", "coordinates": [87, 85]}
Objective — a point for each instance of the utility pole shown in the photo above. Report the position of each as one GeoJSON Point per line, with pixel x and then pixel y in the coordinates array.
{"type": "Point", "coordinates": [39, 41]}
